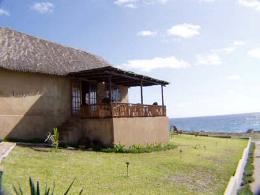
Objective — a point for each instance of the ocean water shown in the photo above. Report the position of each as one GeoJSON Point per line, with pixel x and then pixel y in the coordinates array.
{"type": "Point", "coordinates": [225, 123]}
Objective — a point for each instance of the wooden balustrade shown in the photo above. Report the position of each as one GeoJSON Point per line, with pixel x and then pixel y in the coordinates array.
{"type": "Point", "coordinates": [119, 110]}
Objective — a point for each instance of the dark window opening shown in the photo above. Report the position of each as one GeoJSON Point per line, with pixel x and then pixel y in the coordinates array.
{"type": "Point", "coordinates": [89, 93]}
{"type": "Point", "coordinates": [115, 94]}
{"type": "Point", "coordinates": [76, 97]}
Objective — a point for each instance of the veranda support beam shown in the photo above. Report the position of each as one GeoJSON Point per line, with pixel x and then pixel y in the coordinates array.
{"type": "Point", "coordinates": [141, 87]}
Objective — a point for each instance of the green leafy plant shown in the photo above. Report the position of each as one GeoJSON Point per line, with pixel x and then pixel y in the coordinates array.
{"type": "Point", "coordinates": [119, 148]}
{"type": "Point", "coordinates": [139, 148]}
{"type": "Point", "coordinates": [54, 138]}
{"type": "Point", "coordinates": [248, 173]}
{"type": "Point", "coordinates": [36, 190]}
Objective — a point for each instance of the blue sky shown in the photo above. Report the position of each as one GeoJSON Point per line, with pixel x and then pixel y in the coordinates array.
{"type": "Point", "coordinates": [209, 50]}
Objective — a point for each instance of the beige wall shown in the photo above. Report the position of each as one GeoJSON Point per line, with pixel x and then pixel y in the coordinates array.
{"type": "Point", "coordinates": [32, 104]}
{"type": "Point", "coordinates": [141, 130]}
{"type": "Point", "coordinates": [127, 131]}
{"type": "Point", "coordinates": [98, 129]}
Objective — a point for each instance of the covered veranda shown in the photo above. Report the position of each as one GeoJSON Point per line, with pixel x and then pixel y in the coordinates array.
{"type": "Point", "coordinates": [109, 107]}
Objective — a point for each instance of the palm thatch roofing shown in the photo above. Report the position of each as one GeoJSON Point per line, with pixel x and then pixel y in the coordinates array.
{"type": "Point", "coordinates": [25, 53]}
{"type": "Point", "coordinates": [21, 52]}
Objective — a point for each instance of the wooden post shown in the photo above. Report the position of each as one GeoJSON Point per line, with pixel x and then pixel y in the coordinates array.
{"type": "Point", "coordinates": [110, 89]}
{"type": "Point", "coordinates": [162, 95]}
{"type": "Point", "coordinates": [89, 90]}
{"type": "Point", "coordinates": [142, 100]}
{"type": "Point", "coordinates": [110, 96]}
{"type": "Point", "coordinates": [162, 99]}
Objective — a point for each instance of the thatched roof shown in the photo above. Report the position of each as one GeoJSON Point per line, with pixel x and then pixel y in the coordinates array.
{"type": "Point", "coordinates": [21, 52]}
{"type": "Point", "coordinates": [25, 53]}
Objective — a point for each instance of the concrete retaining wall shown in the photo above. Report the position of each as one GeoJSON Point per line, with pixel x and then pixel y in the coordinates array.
{"type": "Point", "coordinates": [236, 180]}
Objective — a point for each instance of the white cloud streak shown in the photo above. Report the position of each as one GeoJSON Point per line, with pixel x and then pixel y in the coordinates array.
{"type": "Point", "coordinates": [147, 65]}
{"type": "Point", "coordinates": [234, 77]}
{"type": "Point", "coordinates": [254, 53]}
{"type": "Point", "coordinates": [206, 1]}
{"type": "Point", "coordinates": [147, 33]}
{"type": "Point", "coordinates": [4, 12]}
{"type": "Point", "coordinates": [208, 59]}
{"type": "Point", "coordinates": [238, 43]}
{"type": "Point", "coordinates": [137, 3]}
{"type": "Point", "coordinates": [43, 7]}
{"type": "Point", "coordinates": [254, 4]}
{"type": "Point", "coordinates": [231, 48]}
{"type": "Point", "coordinates": [184, 30]}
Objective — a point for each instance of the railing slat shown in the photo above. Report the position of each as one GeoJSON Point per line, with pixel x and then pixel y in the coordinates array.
{"type": "Point", "coordinates": [121, 110]}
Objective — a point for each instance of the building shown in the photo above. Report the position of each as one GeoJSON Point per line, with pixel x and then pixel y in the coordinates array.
{"type": "Point", "coordinates": [45, 85]}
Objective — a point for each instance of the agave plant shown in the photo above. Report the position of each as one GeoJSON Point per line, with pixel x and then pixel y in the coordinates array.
{"type": "Point", "coordinates": [35, 189]}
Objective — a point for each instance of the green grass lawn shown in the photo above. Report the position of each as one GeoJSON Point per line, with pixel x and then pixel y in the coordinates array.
{"type": "Point", "coordinates": [203, 167]}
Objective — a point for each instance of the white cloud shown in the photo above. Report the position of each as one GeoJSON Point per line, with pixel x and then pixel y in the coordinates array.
{"type": "Point", "coordinates": [4, 12]}
{"type": "Point", "coordinates": [126, 3]}
{"type": "Point", "coordinates": [157, 63]}
{"type": "Point", "coordinates": [209, 59]}
{"type": "Point", "coordinates": [206, 1]}
{"type": "Point", "coordinates": [225, 50]}
{"type": "Point", "coordinates": [43, 7]}
{"type": "Point", "coordinates": [254, 4]}
{"type": "Point", "coordinates": [239, 43]}
{"type": "Point", "coordinates": [184, 30]}
{"type": "Point", "coordinates": [137, 3]}
{"type": "Point", "coordinates": [147, 33]}
{"type": "Point", "coordinates": [233, 77]}
{"type": "Point", "coordinates": [231, 48]}
{"type": "Point", "coordinates": [254, 53]}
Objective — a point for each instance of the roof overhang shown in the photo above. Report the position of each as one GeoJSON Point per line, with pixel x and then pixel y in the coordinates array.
{"type": "Point", "coordinates": [117, 76]}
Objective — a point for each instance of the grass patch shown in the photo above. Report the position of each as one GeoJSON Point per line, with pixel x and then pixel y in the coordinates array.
{"type": "Point", "coordinates": [139, 149]}
{"type": "Point", "coordinates": [196, 164]}
{"type": "Point", "coordinates": [248, 173]}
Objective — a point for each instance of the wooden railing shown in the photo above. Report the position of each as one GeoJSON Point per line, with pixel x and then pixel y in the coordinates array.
{"type": "Point", "coordinates": [119, 110]}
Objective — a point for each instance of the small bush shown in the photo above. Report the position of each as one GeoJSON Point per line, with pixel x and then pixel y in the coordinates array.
{"type": "Point", "coordinates": [248, 173]}
{"type": "Point", "coordinates": [54, 138]}
{"type": "Point", "coordinates": [246, 190]}
{"type": "Point", "coordinates": [139, 149]}
{"type": "Point", "coordinates": [1, 174]}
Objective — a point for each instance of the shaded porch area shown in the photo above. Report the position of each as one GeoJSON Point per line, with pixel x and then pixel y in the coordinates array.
{"type": "Point", "coordinates": [102, 114]}
{"type": "Point", "coordinates": [99, 94]}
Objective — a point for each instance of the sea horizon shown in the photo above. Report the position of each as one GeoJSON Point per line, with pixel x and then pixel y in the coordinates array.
{"type": "Point", "coordinates": [219, 123]}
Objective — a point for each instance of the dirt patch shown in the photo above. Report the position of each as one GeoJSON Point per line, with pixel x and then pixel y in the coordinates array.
{"type": "Point", "coordinates": [196, 180]}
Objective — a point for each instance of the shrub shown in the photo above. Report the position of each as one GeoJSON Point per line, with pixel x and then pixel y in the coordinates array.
{"type": "Point", "coordinates": [54, 138]}
{"type": "Point", "coordinates": [246, 190]}
{"type": "Point", "coordinates": [248, 173]}
{"type": "Point", "coordinates": [139, 149]}
{"type": "Point", "coordinates": [1, 174]}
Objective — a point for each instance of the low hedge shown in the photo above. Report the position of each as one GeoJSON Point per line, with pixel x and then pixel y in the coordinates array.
{"type": "Point", "coordinates": [139, 149]}
{"type": "Point", "coordinates": [248, 173]}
